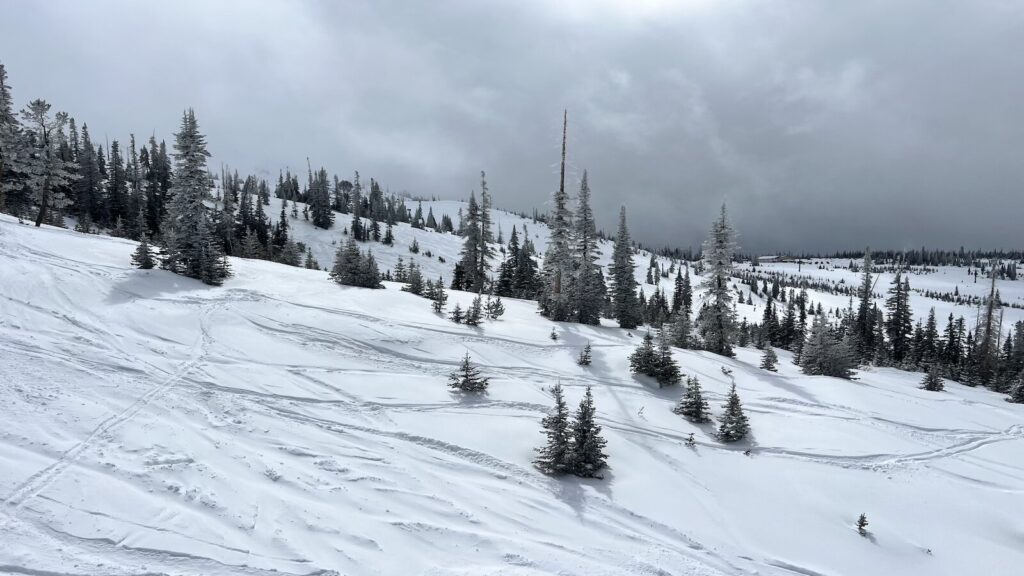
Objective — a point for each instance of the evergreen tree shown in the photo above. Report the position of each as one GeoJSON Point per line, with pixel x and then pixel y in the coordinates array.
{"type": "Point", "coordinates": [473, 261]}
{"type": "Point", "coordinates": [12, 149]}
{"type": "Point", "coordinates": [467, 377]}
{"type": "Point", "coordinates": [899, 327]}
{"type": "Point", "coordinates": [769, 359]}
{"type": "Point", "coordinates": [733, 426]}
{"type": "Point", "coordinates": [143, 255]}
{"type": "Point", "coordinates": [588, 456]}
{"type": "Point", "coordinates": [584, 358]}
{"type": "Point", "coordinates": [494, 308]}
{"type": "Point", "coordinates": [625, 308]}
{"type": "Point", "coordinates": [589, 290]}
{"type": "Point", "coordinates": [457, 315]}
{"type": "Point", "coordinates": [555, 297]}
{"type": "Point", "coordinates": [475, 313]}
{"type": "Point", "coordinates": [47, 171]}
{"type": "Point", "coordinates": [667, 371]}
{"type": "Point", "coordinates": [555, 457]}
{"type": "Point", "coordinates": [717, 320]}
{"type": "Point", "coordinates": [933, 380]}
{"type": "Point", "coordinates": [692, 405]}
{"type": "Point", "coordinates": [862, 524]}
{"type": "Point", "coordinates": [1017, 390]}
{"type": "Point", "coordinates": [825, 354]}
{"type": "Point", "coordinates": [439, 296]}
{"type": "Point", "coordinates": [190, 248]}
{"type": "Point", "coordinates": [864, 325]}
{"type": "Point", "coordinates": [644, 360]}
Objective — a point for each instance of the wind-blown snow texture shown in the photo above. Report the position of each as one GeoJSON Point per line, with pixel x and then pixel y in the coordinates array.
{"type": "Point", "coordinates": [281, 424]}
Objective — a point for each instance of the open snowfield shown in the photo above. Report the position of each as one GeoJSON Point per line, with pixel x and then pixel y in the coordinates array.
{"type": "Point", "coordinates": [281, 424]}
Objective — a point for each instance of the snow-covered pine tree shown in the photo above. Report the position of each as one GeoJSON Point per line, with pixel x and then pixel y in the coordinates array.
{"type": "Point", "coordinates": [693, 406]}
{"type": "Point", "coordinates": [553, 335]}
{"type": "Point", "coordinates": [588, 287]}
{"type": "Point", "coordinates": [190, 248]}
{"type": "Point", "coordinates": [933, 381]}
{"type": "Point", "coordinates": [717, 319]}
{"type": "Point", "coordinates": [588, 457]}
{"type": "Point", "coordinates": [556, 300]}
{"type": "Point", "coordinates": [769, 359]}
{"type": "Point", "coordinates": [734, 425]}
{"type": "Point", "coordinates": [467, 377]}
{"type": "Point", "coordinates": [625, 307]}
{"type": "Point", "coordinates": [47, 172]}
{"type": "Point", "coordinates": [584, 358]}
{"type": "Point", "coordinates": [475, 277]}
{"type": "Point", "coordinates": [555, 456]}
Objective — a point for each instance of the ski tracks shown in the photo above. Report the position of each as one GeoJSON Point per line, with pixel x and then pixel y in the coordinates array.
{"type": "Point", "coordinates": [47, 476]}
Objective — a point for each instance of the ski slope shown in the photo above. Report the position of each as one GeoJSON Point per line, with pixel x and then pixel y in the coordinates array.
{"type": "Point", "coordinates": [281, 424]}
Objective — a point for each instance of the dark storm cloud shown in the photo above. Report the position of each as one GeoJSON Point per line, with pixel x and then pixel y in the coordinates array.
{"type": "Point", "coordinates": [823, 125]}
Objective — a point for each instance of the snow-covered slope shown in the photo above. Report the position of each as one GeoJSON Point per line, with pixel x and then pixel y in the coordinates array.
{"type": "Point", "coordinates": [281, 424]}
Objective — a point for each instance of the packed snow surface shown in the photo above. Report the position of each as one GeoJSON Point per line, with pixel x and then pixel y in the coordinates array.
{"type": "Point", "coordinates": [281, 424]}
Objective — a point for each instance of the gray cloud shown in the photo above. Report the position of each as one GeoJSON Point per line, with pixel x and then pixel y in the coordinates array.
{"type": "Point", "coordinates": [823, 125]}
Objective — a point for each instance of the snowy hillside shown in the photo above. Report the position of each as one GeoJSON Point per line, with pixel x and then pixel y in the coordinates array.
{"type": "Point", "coordinates": [281, 424]}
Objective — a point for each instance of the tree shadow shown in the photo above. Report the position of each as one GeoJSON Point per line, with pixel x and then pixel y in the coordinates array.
{"type": "Point", "coordinates": [150, 285]}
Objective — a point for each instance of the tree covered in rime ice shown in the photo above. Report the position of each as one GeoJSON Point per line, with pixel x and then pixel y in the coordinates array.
{"type": "Point", "coordinates": [46, 170]}
{"type": "Point", "coordinates": [625, 304]}
{"type": "Point", "coordinates": [554, 457]}
{"type": "Point", "coordinates": [733, 426]}
{"type": "Point", "coordinates": [467, 378]}
{"type": "Point", "coordinates": [717, 319]}
{"type": "Point", "coordinates": [588, 457]}
{"type": "Point", "coordinates": [190, 247]}
{"type": "Point", "coordinates": [1017, 390]}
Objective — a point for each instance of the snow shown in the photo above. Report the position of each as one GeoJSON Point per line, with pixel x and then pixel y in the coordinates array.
{"type": "Point", "coordinates": [281, 424]}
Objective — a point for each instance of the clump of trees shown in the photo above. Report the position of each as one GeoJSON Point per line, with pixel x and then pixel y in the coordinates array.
{"type": "Point", "coordinates": [575, 447]}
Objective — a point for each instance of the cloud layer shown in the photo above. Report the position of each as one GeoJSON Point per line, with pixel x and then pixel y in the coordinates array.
{"type": "Point", "coordinates": [823, 125]}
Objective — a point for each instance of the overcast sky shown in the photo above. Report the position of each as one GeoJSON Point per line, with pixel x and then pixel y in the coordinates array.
{"type": "Point", "coordinates": [823, 125]}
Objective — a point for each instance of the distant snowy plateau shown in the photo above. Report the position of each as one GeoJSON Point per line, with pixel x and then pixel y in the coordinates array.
{"type": "Point", "coordinates": [282, 424]}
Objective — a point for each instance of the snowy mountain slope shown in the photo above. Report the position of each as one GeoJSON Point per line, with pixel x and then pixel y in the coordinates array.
{"type": "Point", "coordinates": [283, 424]}
{"type": "Point", "coordinates": [324, 243]}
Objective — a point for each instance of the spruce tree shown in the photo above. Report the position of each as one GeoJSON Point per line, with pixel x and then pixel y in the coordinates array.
{"type": "Point", "coordinates": [439, 296]}
{"type": "Point", "coordinates": [1017, 390]}
{"type": "Point", "coordinates": [625, 307]}
{"type": "Point", "coordinates": [692, 405]}
{"type": "Point", "coordinates": [588, 457]}
{"type": "Point", "coordinates": [494, 308]}
{"type": "Point", "coordinates": [475, 313]}
{"type": "Point", "coordinates": [733, 426]}
{"type": "Point", "coordinates": [457, 315]}
{"type": "Point", "coordinates": [862, 525]}
{"type": "Point", "coordinates": [824, 354]}
{"type": "Point", "coordinates": [475, 275]}
{"type": "Point", "coordinates": [769, 359]}
{"type": "Point", "coordinates": [467, 377]}
{"type": "Point", "coordinates": [899, 326]}
{"type": "Point", "coordinates": [556, 300]}
{"type": "Point", "coordinates": [48, 173]}
{"type": "Point", "coordinates": [584, 358]}
{"type": "Point", "coordinates": [143, 255]}
{"type": "Point", "coordinates": [933, 380]}
{"type": "Point", "coordinates": [666, 369]}
{"type": "Point", "coordinates": [556, 455]}
{"type": "Point", "coordinates": [644, 359]}
{"type": "Point", "coordinates": [589, 290]}
{"type": "Point", "coordinates": [717, 319]}
{"type": "Point", "coordinates": [190, 248]}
